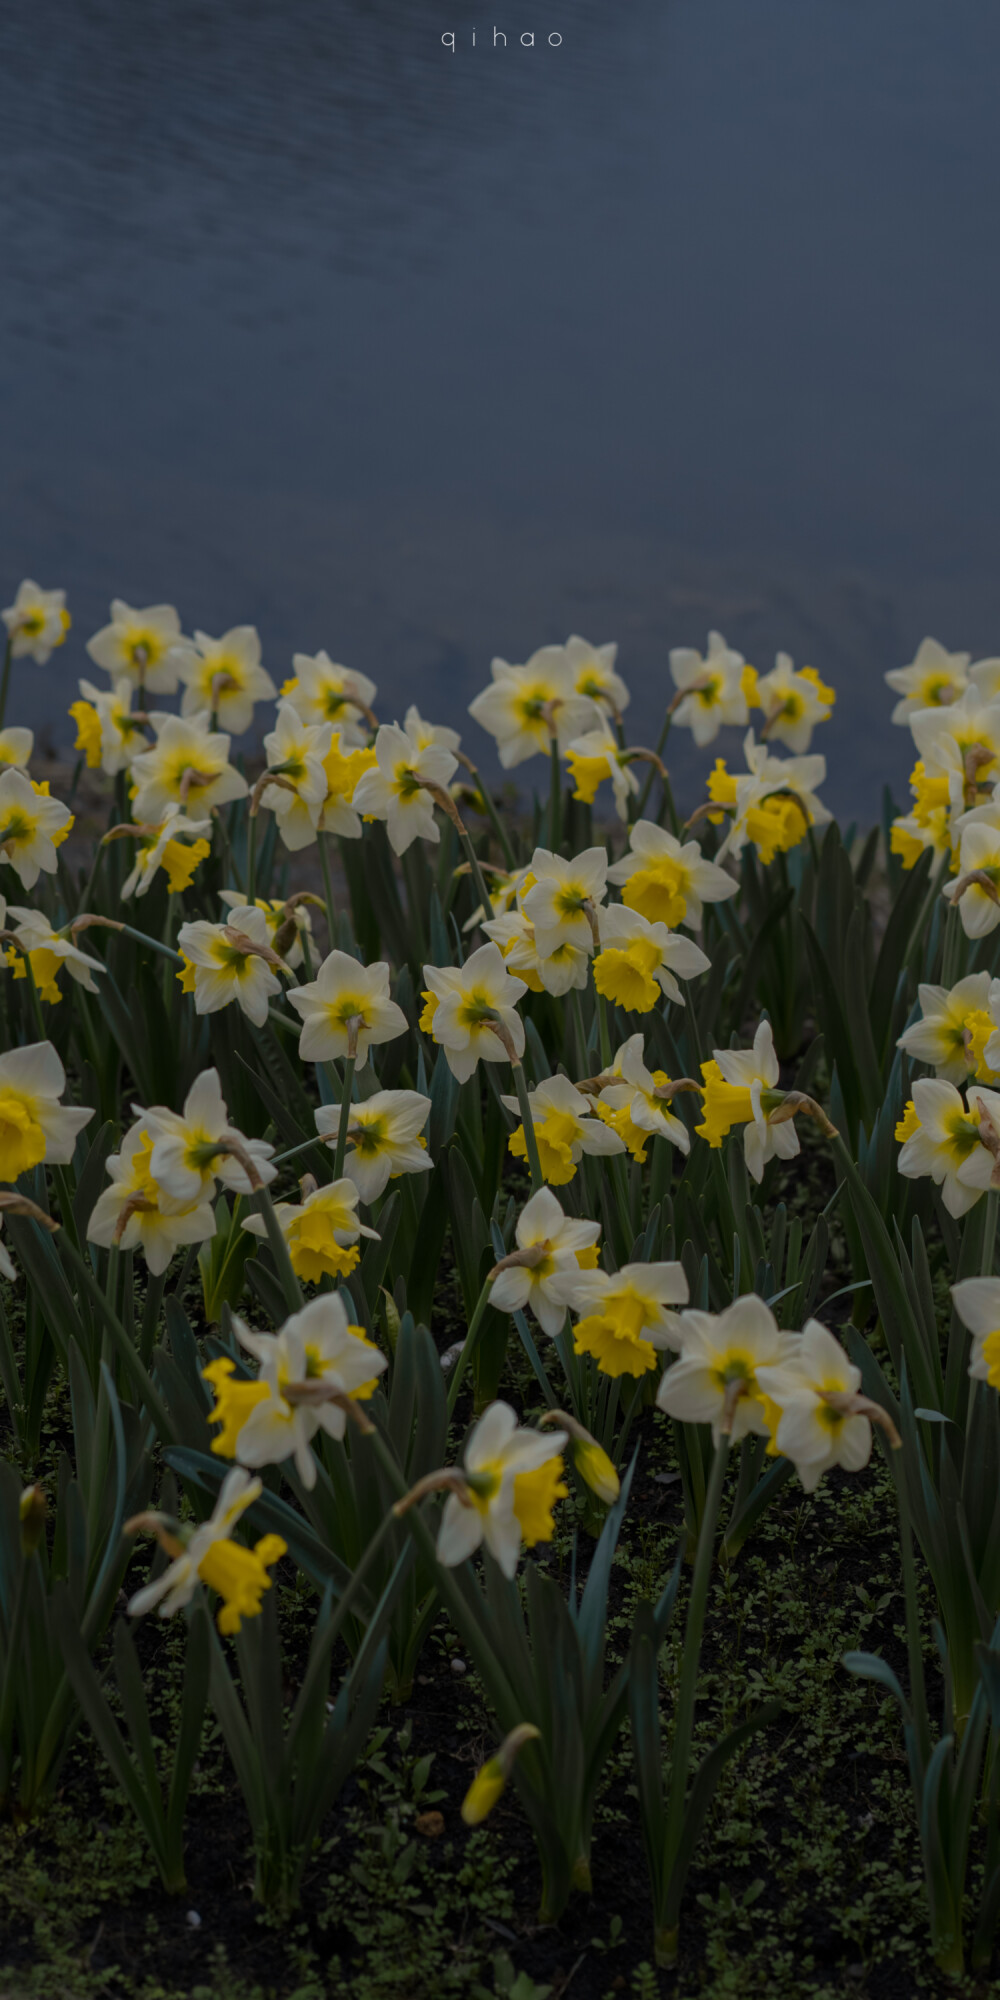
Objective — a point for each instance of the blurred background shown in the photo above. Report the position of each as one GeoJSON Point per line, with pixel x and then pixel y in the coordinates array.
{"type": "Point", "coordinates": [423, 356]}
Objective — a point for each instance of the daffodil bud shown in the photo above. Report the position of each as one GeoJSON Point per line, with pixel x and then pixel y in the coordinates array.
{"type": "Point", "coordinates": [490, 1779]}
{"type": "Point", "coordinates": [32, 1512]}
{"type": "Point", "coordinates": [595, 1468]}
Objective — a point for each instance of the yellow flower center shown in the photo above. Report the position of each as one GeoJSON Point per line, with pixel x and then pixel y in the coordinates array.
{"type": "Point", "coordinates": [625, 976]}
{"type": "Point", "coordinates": [659, 891]}
{"type": "Point", "coordinates": [22, 1141]}
{"type": "Point", "coordinates": [723, 1106]}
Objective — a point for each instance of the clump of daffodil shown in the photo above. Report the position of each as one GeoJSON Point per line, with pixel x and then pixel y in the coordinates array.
{"type": "Point", "coordinates": [548, 1267]}
{"type": "Point", "coordinates": [188, 765]}
{"type": "Point", "coordinates": [402, 786]}
{"type": "Point", "coordinates": [308, 1371]}
{"type": "Point", "coordinates": [16, 746]}
{"type": "Point", "coordinates": [146, 645]}
{"type": "Point", "coordinates": [321, 1231]}
{"type": "Point", "coordinates": [208, 1554]}
{"type": "Point", "coordinates": [32, 826]}
{"type": "Point", "coordinates": [639, 963]}
{"type": "Point", "coordinates": [528, 708]}
{"type": "Point", "coordinates": [741, 1088]}
{"type": "Point", "coordinates": [344, 766]}
{"type": "Point", "coordinates": [322, 691]}
{"type": "Point", "coordinates": [346, 1010]}
{"type": "Point", "coordinates": [194, 1148]}
{"type": "Point", "coordinates": [668, 881]}
{"type": "Point", "coordinates": [635, 1101]}
{"type": "Point", "coordinates": [471, 1011]}
{"type": "Point", "coordinates": [719, 1353]}
{"type": "Point", "coordinates": [383, 1138]}
{"type": "Point", "coordinates": [47, 951]}
{"type": "Point", "coordinates": [491, 1779]}
{"type": "Point", "coordinates": [294, 787]}
{"type": "Point", "coordinates": [772, 804]}
{"type": "Point", "coordinates": [823, 1419]}
{"type": "Point", "coordinates": [107, 731]}
{"type": "Point", "coordinates": [565, 1129]}
{"type": "Point", "coordinates": [793, 703]}
{"type": "Point", "coordinates": [933, 679]}
{"type": "Point", "coordinates": [289, 923]}
{"type": "Point", "coordinates": [34, 1126]}
{"type": "Point", "coordinates": [176, 844]}
{"type": "Point", "coordinates": [510, 1480]}
{"type": "Point", "coordinates": [597, 755]}
{"type": "Point", "coordinates": [977, 1303]}
{"type": "Point", "coordinates": [135, 1213]}
{"type": "Point", "coordinates": [628, 1316]}
{"type": "Point", "coordinates": [954, 1028]}
{"type": "Point", "coordinates": [554, 972]}
{"type": "Point", "coordinates": [224, 677]}
{"type": "Point", "coordinates": [563, 898]}
{"type": "Point", "coordinates": [226, 962]}
{"type": "Point", "coordinates": [954, 1143]}
{"type": "Point", "coordinates": [711, 691]}
{"type": "Point", "coordinates": [37, 622]}
{"type": "Point", "coordinates": [960, 740]}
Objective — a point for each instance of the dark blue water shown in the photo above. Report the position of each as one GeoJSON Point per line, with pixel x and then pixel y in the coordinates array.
{"type": "Point", "coordinates": [423, 356]}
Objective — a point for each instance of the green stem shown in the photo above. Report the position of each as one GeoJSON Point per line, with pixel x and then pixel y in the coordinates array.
{"type": "Point", "coordinates": [324, 862]}
{"type": "Point", "coordinates": [145, 1388]}
{"type": "Point", "coordinates": [469, 1344]}
{"type": "Point", "coordinates": [482, 892]}
{"type": "Point", "coordinates": [251, 857]}
{"type": "Point", "coordinates": [8, 1694]}
{"type": "Point", "coordinates": [651, 773]}
{"type": "Point", "coordinates": [279, 1250]}
{"type": "Point", "coordinates": [603, 1031]}
{"type": "Point", "coordinates": [918, 1697]}
{"type": "Point", "coordinates": [555, 796]}
{"type": "Point", "coordinates": [496, 823]}
{"type": "Point", "coordinates": [680, 1755]}
{"type": "Point", "coordinates": [530, 1142]}
{"type": "Point", "coordinates": [345, 1117]}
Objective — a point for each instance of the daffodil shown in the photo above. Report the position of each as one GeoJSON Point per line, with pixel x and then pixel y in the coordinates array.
{"type": "Point", "coordinates": [813, 1388]}
{"type": "Point", "coordinates": [316, 1355]}
{"type": "Point", "coordinates": [639, 961]}
{"type": "Point", "coordinates": [773, 803]}
{"type": "Point", "coordinates": [383, 1138]}
{"type": "Point", "coordinates": [527, 708]}
{"type": "Point", "coordinates": [977, 1303]}
{"type": "Point", "coordinates": [565, 1129]}
{"type": "Point", "coordinates": [280, 918]}
{"type": "Point", "coordinates": [48, 952]}
{"type": "Point", "coordinates": [544, 1271]}
{"type": "Point", "coordinates": [793, 703]}
{"type": "Point", "coordinates": [346, 1009]}
{"type": "Point", "coordinates": [741, 1088]}
{"type": "Point", "coordinates": [490, 1780]}
{"type": "Point", "coordinates": [465, 1005]}
{"type": "Point", "coordinates": [512, 1479]}
{"type": "Point", "coordinates": [209, 1555]}
{"type": "Point", "coordinates": [954, 1027]}
{"type": "Point", "coordinates": [593, 673]}
{"type": "Point", "coordinates": [177, 845]}
{"type": "Point", "coordinates": [188, 765]}
{"type": "Point", "coordinates": [37, 622]}
{"type": "Point", "coordinates": [32, 826]}
{"type": "Point", "coordinates": [637, 1106]}
{"type": "Point", "coordinates": [711, 690]}
{"type": "Point", "coordinates": [343, 767]}
{"type": "Point", "coordinates": [322, 691]}
{"type": "Point", "coordinates": [564, 897]}
{"type": "Point", "coordinates": [134, 1214]}
{"type": "Point", "coordinates": [400, 784]}
{"type": "Point", "coordinates": [720, 1354]}
{"type": "Point", "coordinates": [557, 972]}
{"type": "Point", "coordinates": [629, 1316]}
{"type": "Point", "coordinates": [666, 881]}
{"type": "Point", "coordinates": [597, 755]}
{"type": "Point", "coordinates": [943, 1139]}
{"type": "Point", "coordinates": [225, 962]}
{"type": "Point", "coordinates": [107, 732]}
{"type": "Point", "coordinates": [321, 1232]}
{"type": "Point", "coordinates": [34, 1126]}
{"type": "Point", "coordinates": [933, 679]}
{"type": "Point", "coordinates": [16, 746]}
{"type": "Point", "coordinates": [8, 1268]}
{"type": "Point", "coordinates": [962, 737]}
{"type": "Point", "coordinates": [225, 677]}
{"type": "Point", "coordinates": [295, 751]}
{"type": "Point", "coordinates": [976, 887]}
{"type": "Point", "coordinates": [424, 733]}
{"type": "Point", "coordinates": [191, 1148]}
{"type": "Point", "coordinates": [146, 645]}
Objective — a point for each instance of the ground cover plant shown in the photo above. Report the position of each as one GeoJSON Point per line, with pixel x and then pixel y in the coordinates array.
{"type": "Point", "coordinates": [499, 1337]}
